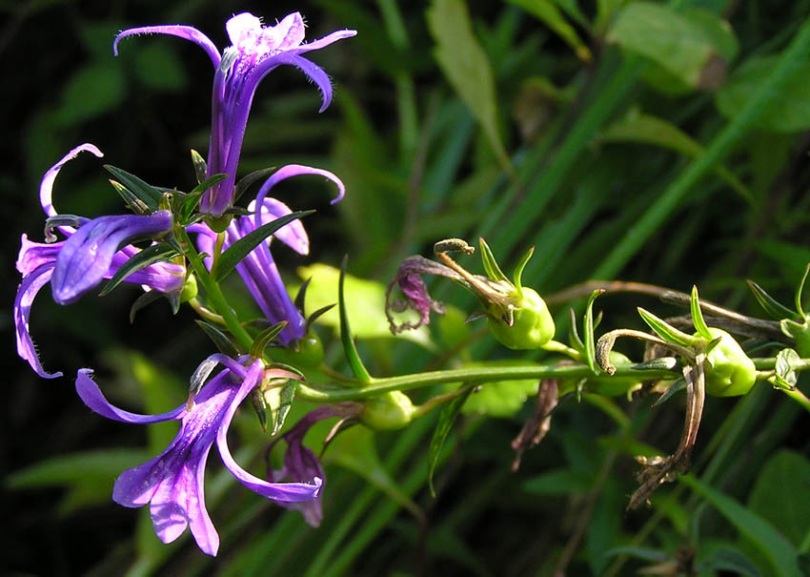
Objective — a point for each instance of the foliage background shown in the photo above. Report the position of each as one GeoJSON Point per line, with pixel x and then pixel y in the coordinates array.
{"type": "Point", "coordinates": [530, 145]}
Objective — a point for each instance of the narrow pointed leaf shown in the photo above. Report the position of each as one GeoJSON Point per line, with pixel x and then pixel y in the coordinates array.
{"type": "Point", "coordinates": [142, 302]}
{"type": "Point", "coordinates": [772, 307]}
{"type": "Point", "coordinates": [663, 330]}
{"type": "Point", "coordinates": [491, 267]}
{"type": "Point", "coordinates": [242, 247]}
{"type": "Point", "coordinates": [148, 256]}
{"type": "Point", "coordinates": [447, 417]}
{"type": "Point", "coordinates": [224, 344]}
{"type": "Point", "coordinates": [133, 203]}
{"type": "Point", "coordinates": [524, 260]}
{"type": "Point", "coordinates": [249, 179]}
{"type": "Point", "coordinates": [143, 191]}
{"type": "Point", "coordinates": [349, 347]}
{"type": "Point", "coordinates": [697, 315]}
{"type": "Point", "coordinates": [590, 344]}
{"type": "Point", "coordinates": [266, 337]}
{"type": "Point", "coordinates": [200, 166]}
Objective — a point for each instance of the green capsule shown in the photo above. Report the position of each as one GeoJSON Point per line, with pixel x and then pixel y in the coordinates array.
{"type": "Point", "coordinates": [387, 412]}
{"type": "Point", "coordinates": [729, 371]}
{"type": "Point", "coordinates": [532, 325]}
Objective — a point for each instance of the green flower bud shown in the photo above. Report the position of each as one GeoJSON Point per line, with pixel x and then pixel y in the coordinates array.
{"type": "Point", "coordinates": [386, 412]}
{"type": "Point", "coordinates": [306, 352]}
{"type": "Point", "coordinates": [531, 327]}
{"type": "Point", "coordinates": [800, 333]}
{"type": "Point", "coordinates": [729, 371]}
{"type": "Point", "coordinates": [189, 289]}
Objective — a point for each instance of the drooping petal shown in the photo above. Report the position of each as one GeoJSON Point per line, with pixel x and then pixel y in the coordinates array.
{"type": "Point", "coordinates": [291, 170]}
{"type": "Point", "coordinates": [92, 396]}
{"type": "Point", "coordinates": [312, 71]}
{"type": "Point", "coordinates": [409, 280]}
{"type": "Point", "coordinates": [186, 32]}
{"type": "Point", "coordinates": [293, 234]}
{"type": "Point", "coordinates": [88, 254]}
{"type": "Point", "coordinates": [27, 291]}
{"type": "Point", "coordinates": [279, 492]}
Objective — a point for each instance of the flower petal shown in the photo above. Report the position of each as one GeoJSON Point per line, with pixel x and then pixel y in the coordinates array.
{"type": "Point", "coordinates": [87, 255]}
{"type": "Point", "coordinates": [46, 186]}
{"type": "Point", "coordinates": [27, 291]}
{"type": "Point", "coordinates": [293, 234]}
{"type": "Point", "coordinates": [92, 396]}
{"type": "Point", "coordinates": [186, 32]}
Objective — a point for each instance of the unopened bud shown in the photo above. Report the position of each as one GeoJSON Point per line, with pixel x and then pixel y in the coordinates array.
{"type": "Point", "coordinates": [386, 412]}
{"type": "Point", "coordinates": [729, 371]}
{"type": "Point", "coordinates": [531, 324]}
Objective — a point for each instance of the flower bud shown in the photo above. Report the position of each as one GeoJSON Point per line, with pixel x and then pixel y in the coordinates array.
{"type": "Point", "coordinates": [387, 412]}
{"type": "Point", "coordinates": [306, 352]}
{"type": "Point", "coordinates": [531, 325]}
{"type": "Point", "coordinates": [729, 371]}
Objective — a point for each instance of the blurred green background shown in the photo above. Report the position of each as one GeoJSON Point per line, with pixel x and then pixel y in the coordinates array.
{"type": "Point", "coordinates": [657, 142]}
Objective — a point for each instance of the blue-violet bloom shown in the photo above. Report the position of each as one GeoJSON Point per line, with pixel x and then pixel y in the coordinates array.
{"type": "Point", "coordinates": [258, 269]}
{"type": "Point", "coordinates": [173, 482]}
{"type": "Point", "coordinates": [255, 51]}
{"type": "Point", "coordinates": [90, 254]}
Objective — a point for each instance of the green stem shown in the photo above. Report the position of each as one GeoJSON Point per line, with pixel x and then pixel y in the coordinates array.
{"type": "Point", "coordinates": [214, 295]}
{"type": "Point", "coordinates": [470, 375]}
{"type": "Point", "coordinates": [799, 397]}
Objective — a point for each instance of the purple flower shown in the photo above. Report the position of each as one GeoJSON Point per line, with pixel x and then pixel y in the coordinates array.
{"type": "Point", "coordinates": [78, 264]}
{"type": "Point", "coordinates": [172, 482]}
{"type": "Point", "coordinates": [301, 464]}
{"type": "Point", "coordinates": [255, 51]}
{"type": "Point", "coordinates": [258, 270]}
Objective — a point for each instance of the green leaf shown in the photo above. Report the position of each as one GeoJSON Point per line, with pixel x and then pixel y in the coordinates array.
{"type": "Point", "coordinates": [447, 417]}
{"type": "Point", "coordinates": [146, 193]}
{"type": "Point", "coordinates": [559, 482]}
{"type": "Point", "coordinates": [689, 48]}
{"type": "Point", "coordinates": [499, 398]}
{"type": "Point", "coordinates": [772, 307]}
{"type": "Point", "coordinates": [782, 556]}
{"type": "Point", "coordinates": [94, 91]}
{"type": "Point", "coordinates": [223, 343]}
{"type": "Point", "coordinates": [779, 494]}
{"type": "Point", "coordinates": [467, 68]}
{"type": "Point", "coordinates": [242, 247]}
{"type": "Point", "coordinates": [548, 12]}
{"type": "Point", "coordinates": [789, 108]}
{"type": "Point", "coordinates": [156, 253]}
{"type": "Point", "coordinates": [636, 126]}
{"type": "Point", "coordinates": [588, 328]}
{"type": "Point", "coordinates": [664, 330]}
{"type": "Point", "coordinates": [491, 267]}
{"type": "Point", "coordinates": [349, 347]}
{"type": "Point", "coordinates": [697, 315]}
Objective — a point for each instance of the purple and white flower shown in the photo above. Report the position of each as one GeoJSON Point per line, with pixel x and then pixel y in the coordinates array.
{"type": "Point", "coordinates": [255, 51]}
{"type": "Point", "coordinates": [90, 254]}
{"type": "Point", "coordinates": [173, 482]}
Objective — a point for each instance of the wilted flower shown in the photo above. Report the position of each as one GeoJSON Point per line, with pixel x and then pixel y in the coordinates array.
{"type": "Point", "coordinates": [90, 254]}
{"type": "Point", "coordinates": [255, 51]}
{"type": "Point", "coordinates": [173, 482]}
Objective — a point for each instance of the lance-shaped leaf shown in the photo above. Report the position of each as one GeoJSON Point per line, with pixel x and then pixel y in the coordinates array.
{"type": "Point", "coordinates": [665, 330]}
{"type": "Point", "coordinates": [242, 247]}
{"type": "Point", "coordinates": [590, 345]}
{"type": "Point", "coordinates": [772, 307]}
{"type": "Point", "coordinates": [349, 347]}
{"type": "Point", "coordinates": [142, 259]}
{"type": "Point", "coordinates": [697, 315]}
{"type": "Point", "coordinates": [143, 191]}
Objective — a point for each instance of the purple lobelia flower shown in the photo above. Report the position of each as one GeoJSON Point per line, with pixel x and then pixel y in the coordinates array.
{"type": "Point", "coordinates": [173, 482]}
{"type": "Point", "coordinates": [255, 51]}
{"type": "Point", "coordinates": [90, 254]}
{"type": "Point", "coordinates": [258, 270]}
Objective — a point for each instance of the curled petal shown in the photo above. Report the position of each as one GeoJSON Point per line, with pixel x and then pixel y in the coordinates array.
{"type": "Point", "coordinates": [46, 186]}
{"type": "Point", "coordinates": [311, 70]}
{"type": "Point", "coordinates": [27, 291]}
{"type": "Point", "coordinates": [88, 254]}
{"type": "Point", "coordinates": [289, 171]}
{"type": "Point", "coordinates": [186, 32]}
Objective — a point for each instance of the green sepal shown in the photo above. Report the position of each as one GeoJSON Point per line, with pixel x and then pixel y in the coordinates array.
{"type": "Point", "coordinates": [588, 329]}
{"type": "Point", "coordinates": [664, 330]}
{"type": "Point", "coordinates": [799, 332]}
{"type": "Point", "coordinates": [244, 183]}
{"type": "Point", "coordinates": [156, 253]}
{"type": "Point", "coordinates": [133, 203]}
{"type": "Point", "coordinates": [573, 334]}
{"type": "Point", "coordinates": [491, 267]}
{"type": "Point", "coordinates": [772, 307]}
{"type": "Point", "coordinates": [221, 340]}
{"type": "Point", "coordinates": [266, 337]}
{"type": "Point", "coordinates": [280, 404]}
{"type": "Point", "coordinates": [447, 417]}
{"type": "Point", "coordinates": [697, 315]}
{"type": "Point", "coordinates": [800, 292]}
{"type": "Point", "coordinates": [349, 347]}
{"type": "Point", "coordinates": [242, 247]}
{"type": "Point", "coordinates": [141, 190]}
{"type": "Point", "coordinates": [524, 260]}
{"type": "Point", "coordinates": [142, 302]}
{"type": "Point", "coordinates": [785, 376]}
{"type": "Point", "coordinates": [259, 407]}
{"type": "Point", "coordinates": [678, 385]}
{"type": "Point", "coordinates": [200, 166]}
